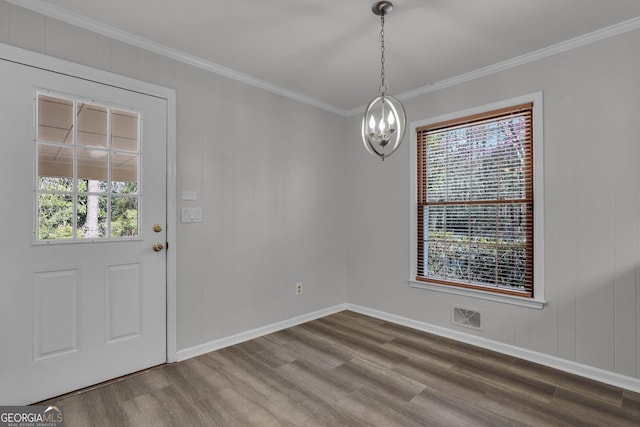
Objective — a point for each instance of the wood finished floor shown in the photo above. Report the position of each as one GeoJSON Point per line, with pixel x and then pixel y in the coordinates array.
{"type": "Point", "coordinates": [352, 370]}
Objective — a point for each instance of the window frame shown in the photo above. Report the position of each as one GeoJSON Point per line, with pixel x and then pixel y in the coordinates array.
{"type": "Point", "coordinates": [537, 300]}
{"type": "Point", "coordinates": [75, 146]}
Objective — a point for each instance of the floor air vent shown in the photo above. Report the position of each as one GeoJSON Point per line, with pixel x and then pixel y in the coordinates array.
{"type": "Point", "coordinates": [467, 318]}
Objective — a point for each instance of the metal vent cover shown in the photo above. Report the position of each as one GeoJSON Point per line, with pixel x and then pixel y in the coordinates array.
{"type": "Point", "coordinates": [467, 318]}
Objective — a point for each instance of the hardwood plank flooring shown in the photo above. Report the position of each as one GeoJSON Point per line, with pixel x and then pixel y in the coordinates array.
{"type": "Point", "coordinates": [351, 370]}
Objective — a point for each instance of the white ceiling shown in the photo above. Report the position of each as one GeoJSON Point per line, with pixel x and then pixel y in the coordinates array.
{"type": "Point", "coordinates": [328, 50]}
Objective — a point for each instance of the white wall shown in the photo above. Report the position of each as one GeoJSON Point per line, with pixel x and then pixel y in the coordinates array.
{"type": "Point", "coordinates": [270, 176]}
{"type": "Point", "coordinates": [592, 211]}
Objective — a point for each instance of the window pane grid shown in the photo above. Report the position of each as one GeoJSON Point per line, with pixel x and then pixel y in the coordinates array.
{"type": "Point", "coordinates": [87, 179]}
{"type": "Point", "coordinates": [475, 202]}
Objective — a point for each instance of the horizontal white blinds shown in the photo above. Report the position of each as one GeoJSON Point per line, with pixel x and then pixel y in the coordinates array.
{"type": "Point", "coordinates": [475, 201]}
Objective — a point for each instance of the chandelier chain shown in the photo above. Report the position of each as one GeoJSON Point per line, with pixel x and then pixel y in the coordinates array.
{"type": "Point", "coordinates": [383, 87]}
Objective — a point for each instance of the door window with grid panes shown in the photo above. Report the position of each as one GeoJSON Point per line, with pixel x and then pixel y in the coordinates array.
{"type": "Point", "coordinates": [88, 157]}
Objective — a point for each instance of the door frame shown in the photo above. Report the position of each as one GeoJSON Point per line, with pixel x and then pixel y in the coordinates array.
{"type": "Point", "coordinates": [60, 66]}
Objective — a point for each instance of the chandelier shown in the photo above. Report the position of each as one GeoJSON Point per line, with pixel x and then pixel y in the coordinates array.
{"type": "Point", "coordinates": [385, 121]}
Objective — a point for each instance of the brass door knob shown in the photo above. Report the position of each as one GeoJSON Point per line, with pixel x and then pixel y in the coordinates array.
{"type": "Point", "coordinates": [158, 247]}
{"type": "Point", "coordinates": [157, 228]}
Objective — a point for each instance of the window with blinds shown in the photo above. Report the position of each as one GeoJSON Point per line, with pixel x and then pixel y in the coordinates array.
{"type": "Point", "coordinates": [475, 201]}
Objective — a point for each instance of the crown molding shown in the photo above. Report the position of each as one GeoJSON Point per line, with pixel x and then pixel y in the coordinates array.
{"type": "Point", "coordinates": [78, 20]}
{"type": "Point", "coordinates": [604, 33]}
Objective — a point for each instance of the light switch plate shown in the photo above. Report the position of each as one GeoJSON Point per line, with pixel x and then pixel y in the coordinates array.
{"type": "Point", "coordinates": [190, 215]}
{"type": "Point", "coordinates": [190, 195]}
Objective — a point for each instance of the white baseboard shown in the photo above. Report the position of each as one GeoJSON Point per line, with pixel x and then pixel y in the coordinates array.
{"type": "Point", "coordinates": [596, 374]}
{"type": "Point", "coordinates": [255, 333]}
{"type": "Point", "coordinates": [586, 371]}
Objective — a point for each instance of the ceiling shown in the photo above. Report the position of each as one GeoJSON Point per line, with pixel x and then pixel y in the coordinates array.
{"type": "Point", "coordinates": [327, 51]}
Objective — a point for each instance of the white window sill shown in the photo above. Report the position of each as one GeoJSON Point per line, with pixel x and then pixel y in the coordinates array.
{"type": "Point", "coordinates": [473, 293]}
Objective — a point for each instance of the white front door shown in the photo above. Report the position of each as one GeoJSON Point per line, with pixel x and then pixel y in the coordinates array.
{"type": "Point", "coordinates": [83, 178]}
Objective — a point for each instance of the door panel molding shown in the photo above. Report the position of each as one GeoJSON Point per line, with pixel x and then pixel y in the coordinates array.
{"type": "Point", "coordinates": [123, 287]}
{"type": "Point", "coordinates": [55, 313]}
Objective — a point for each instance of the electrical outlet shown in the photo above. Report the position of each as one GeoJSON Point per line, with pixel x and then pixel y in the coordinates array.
{"type": "Point", "coordinates": [299, 288]}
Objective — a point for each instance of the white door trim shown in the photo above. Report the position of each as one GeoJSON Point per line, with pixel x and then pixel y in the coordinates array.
{"type": "Point", "coordinates": [38, 60]}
